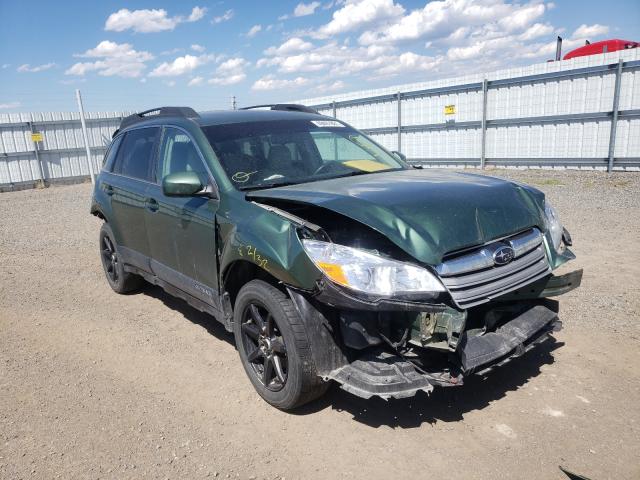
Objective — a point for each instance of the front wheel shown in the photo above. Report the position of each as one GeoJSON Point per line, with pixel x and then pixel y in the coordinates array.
{"type": "Point", "coordinates": [274, 348]}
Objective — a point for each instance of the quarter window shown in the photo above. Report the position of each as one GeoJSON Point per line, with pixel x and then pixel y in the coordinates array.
{"type": "Point", "coordinates": [111, 154]}
{"type": "Point", "coordinates": [134, 157]}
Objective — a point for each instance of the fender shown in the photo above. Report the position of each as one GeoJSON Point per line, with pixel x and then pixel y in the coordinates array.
{"type": "Point", "coordinates": [277, 250]}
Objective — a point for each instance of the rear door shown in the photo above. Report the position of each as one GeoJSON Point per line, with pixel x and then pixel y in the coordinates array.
{"type": "Point", "coordinates": [181, 232]}
{"type": "Point", "coordinates": [127, 185]}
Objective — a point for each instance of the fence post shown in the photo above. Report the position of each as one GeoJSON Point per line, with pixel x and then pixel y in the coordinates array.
{"type": "Point", "coordinates": [399, 122]}
{"type": "Point", "coordinates": [35, 150]}
{"type": "Point", "coordinates": [85, 136]}
{"type": "Point", "coordinates": [483, 139]}
{"type": "Point", "coordinates": [614, 117]}
{"type": "Point", "coordinates": [6, 162]}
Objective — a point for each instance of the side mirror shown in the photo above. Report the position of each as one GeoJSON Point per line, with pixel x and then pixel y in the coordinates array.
{"type": "Point", "coordinates": [182, 184]}
{"type": "Point", "coordinates": [400, 155]}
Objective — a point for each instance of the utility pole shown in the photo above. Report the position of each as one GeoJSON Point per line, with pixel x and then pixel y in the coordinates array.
{"type": "Point", "coordinates": [85, 136]}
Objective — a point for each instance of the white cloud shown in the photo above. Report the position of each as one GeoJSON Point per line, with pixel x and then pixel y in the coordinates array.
{"type": "Point", "coordinates": [333, 3]}
{"type": "Point", "coordinates": [304, 9]}
{"type": "Point", "coordinates": [5, 65]}
{"type": "Point", "coordinates": [333, 58]}
{"type": "Point", "coordinates": [172, 51]}
{"type": "Point", "coordinates": [119, 59]}
{"type": "Point", "coordinates": [149, 20]}
{"type": "Point", "coordinates": [522, 16]}
{"type": "Point", "coordinates": [181, 65]}
{"type": "Point", "coordinates": [170, 83]}
{"type": "Point", "coordinates": [409, 62]}
{"type": "Point", "coordinates": [329, 87]}
{"type": "Point", "coordinates": [226, 16]}
{"type": "Point", "coordinates": [292, 45]}
{"type": "Point", "coordinates": [535, 31]}
{"type": "Point", "coordinates": [10, 105]}
{"type": "Point", "coordinates": [474, 35]}
{"type": "Point", "coordinates": [230, 80]}
{"type": "Point", "coordinates": [197, 14]}
{"type": "Point", "coordinates": [36, 68]}
{"type": "Point", "coordinates": [230, 72]}
{"type": "Point", "coordinates": [439, 19]}
{"type": "Point", "coordinates": [195, 81]}
{"type": "Point", "coordinates": [197, 48]}
{"type": "Point", "coordinates": [253, 31]}
{"type": "Point", "coordinates": [589, 32]}
{"type": "Point", "coordinates": [270, 82]}
{"type": "Point", "coordinates": [357, 14]}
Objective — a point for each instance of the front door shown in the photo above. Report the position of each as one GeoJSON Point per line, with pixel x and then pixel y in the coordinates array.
{"type": "Point", "coordinates": [181, 230]}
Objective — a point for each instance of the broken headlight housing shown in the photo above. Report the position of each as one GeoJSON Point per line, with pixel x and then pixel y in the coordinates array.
{"type": "Point", "coordinates": [369, 273]}
{"type": "Point", "coordinates": [553, 225]}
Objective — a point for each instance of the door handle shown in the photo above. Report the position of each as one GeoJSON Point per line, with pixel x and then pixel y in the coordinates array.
{"type": "Point", "coordinates": [108, 189]}
{"type": "Point", "coordinates": [152, 204]}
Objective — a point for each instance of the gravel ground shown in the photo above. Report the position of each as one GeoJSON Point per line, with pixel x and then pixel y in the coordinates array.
{"type": "Point", "coordinates": [98, 385]}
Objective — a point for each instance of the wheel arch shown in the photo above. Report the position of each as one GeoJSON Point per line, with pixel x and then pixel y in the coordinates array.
{"type": "Point", "coordinates": [240, 272]}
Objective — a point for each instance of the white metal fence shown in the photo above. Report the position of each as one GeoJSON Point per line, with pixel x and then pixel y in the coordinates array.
{"type": "Point", "coordinates": [49, 146]}
{"type": "Point", "coordinates": [582, 113]}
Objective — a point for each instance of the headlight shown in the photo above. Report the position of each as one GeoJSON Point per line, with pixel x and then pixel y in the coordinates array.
{"type": "Point", "coordinates": [363, 271]}
{"type": "Point", "coordinates": [553, 225]}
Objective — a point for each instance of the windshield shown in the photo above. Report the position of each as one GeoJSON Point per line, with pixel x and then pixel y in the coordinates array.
{"type": "Point", "coordinates": [284, 152]}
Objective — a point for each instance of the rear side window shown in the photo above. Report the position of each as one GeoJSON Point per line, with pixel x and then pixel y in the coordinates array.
{"type": "Point", "coordinates": [111, 154]}
{"type": "Point", "coordinates": [135, 155]}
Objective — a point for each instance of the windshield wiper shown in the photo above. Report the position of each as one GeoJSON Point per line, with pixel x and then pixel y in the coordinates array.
{"type": "Point", "coordinates": [313, 179]}
{"type": "Point", "coordinates": [260, 186]}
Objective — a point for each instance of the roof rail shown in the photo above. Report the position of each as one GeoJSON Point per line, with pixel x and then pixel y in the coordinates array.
{"type": "Point", "coordinates": [288, 107]}
{"type": "Point", "coordinates": [186, 112]}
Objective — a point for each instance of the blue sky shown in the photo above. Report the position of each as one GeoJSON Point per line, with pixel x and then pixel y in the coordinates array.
{"type": "Point", "coordinates": [136, 55]}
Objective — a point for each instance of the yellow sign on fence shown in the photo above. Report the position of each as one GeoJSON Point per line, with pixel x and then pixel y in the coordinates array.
{"type": "Point", "coordinates": [449, 109]}
{"type": "Point", "coordinates": [36, 137]}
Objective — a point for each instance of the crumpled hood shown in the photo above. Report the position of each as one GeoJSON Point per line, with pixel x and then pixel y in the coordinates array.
{"type": "Point", "coordinates": [427, 213]}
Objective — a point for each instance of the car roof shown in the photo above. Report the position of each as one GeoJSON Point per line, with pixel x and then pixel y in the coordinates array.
{"type": "Point", "coordinates": [223, 117]}
{"type": "Point", "coordinates": [219, 117]}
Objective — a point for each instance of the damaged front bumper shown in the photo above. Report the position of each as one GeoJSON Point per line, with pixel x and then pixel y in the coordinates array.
{"type": "Point", "coordinates": [366, 366]}
{"type": "Point", "coordinates": [390, 375]}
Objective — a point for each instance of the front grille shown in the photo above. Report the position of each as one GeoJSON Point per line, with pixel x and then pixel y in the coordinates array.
{"type": "Point", "coordinates": [473, 278]}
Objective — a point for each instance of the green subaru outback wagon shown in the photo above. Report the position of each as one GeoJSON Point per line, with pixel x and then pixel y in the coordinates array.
{"type": "Point", "coordinates": [329, 258]}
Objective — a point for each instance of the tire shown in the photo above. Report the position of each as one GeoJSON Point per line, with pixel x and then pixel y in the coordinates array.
{"type": "Point", "coordinates": [301, 382]}
{"type": "Point", "coordinates": [119, 280]}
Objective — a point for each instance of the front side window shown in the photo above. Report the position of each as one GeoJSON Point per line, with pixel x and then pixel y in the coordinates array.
{"type": "Point", "coordinates": [179, 154]}
{"type": "Point", "coordinates": [283, 152]}
{"type": "Point", "coordinates": [135, 156]}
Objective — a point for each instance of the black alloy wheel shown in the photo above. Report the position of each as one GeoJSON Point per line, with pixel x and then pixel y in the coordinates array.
{"type": "Point", "coordinates": [119, 279]}
{"type": "Point", "coordinates": [265, 346]}
{"type": "Point", "coordinates": [109, 259]}
{"type": "Point", "coordinates": [274, 346]}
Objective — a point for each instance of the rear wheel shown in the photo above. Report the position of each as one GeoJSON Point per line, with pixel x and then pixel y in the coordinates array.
{"type": "Point", "coordinates": [273, 346]}
{"type": "Point", "coordinates": [119, 280]}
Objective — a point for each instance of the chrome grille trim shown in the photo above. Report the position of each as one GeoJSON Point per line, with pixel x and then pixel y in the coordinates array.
{"type": "Point", "coordinates": [473, 278]}
{"type": "Point", "coordinates": [483, 258]}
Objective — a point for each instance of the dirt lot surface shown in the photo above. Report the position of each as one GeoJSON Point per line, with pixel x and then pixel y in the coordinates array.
{"type": "Point", "coordinates": [98, 385]}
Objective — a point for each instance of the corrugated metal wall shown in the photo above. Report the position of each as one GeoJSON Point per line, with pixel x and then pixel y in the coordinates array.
{"type": "Point", "coordinates": [61, 154]}
{"type": "Point", "coordinates": [555, 114]}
